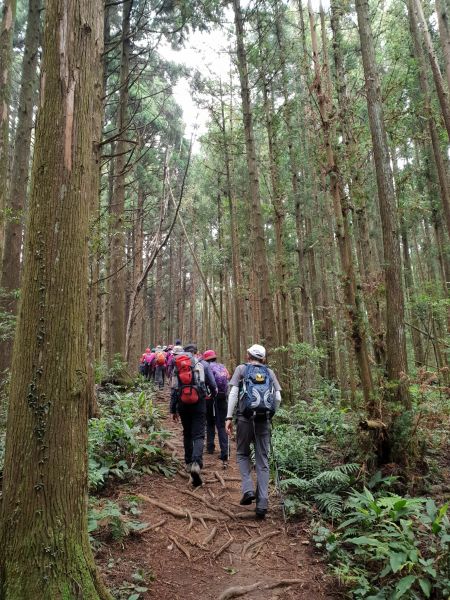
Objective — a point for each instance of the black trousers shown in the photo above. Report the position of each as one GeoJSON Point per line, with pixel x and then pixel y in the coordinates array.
{"type": "Point", "coordinates": [216, 411]}
{"type": "Point", "coordinates": [193, 417]}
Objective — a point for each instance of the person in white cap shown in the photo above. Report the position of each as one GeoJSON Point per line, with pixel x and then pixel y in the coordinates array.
{"type": "Point", "coordinates": [256, 392]}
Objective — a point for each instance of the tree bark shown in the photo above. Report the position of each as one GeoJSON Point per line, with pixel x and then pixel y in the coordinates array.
{"type": "Point", "coordinates": [11, 267]}
{"type": "Point", "coordinates": [395, 321]}
{"type": "Point", "coordinates": [261, 268]}
{"type": "Point", "coordinates": [6, 56]}
{"type": "Point", "coordinates": [117, 281]}
{"type": "Point", "coordinates": [44, 539]}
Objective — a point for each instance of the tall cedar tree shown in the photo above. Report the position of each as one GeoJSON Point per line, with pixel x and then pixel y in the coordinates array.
{"type": "Point", "coordinates": [44, 540]}
{"type": "Point", "coordinates": [11, 267]}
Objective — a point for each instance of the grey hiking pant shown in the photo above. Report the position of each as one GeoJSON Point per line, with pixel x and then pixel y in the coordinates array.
{"type": "Point", "coordinates": [256, 433]}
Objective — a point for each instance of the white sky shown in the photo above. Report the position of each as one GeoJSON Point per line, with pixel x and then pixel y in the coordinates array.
{"type": "Point", "coordinates": [207, 52]}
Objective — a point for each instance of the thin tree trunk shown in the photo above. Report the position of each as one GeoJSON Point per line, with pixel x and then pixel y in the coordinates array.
{"type": "Point", "coordinates": [395, 321]}
{"type": "Point", "coordinates": [6, 57]}
{"type": "Point", "coordinates": [44, 539]}
{"type": "Point", "coordinates": [117, 281]}
{"type": "Point", "coordinates": [11, 267]}
{"type": "Point", "coordinates": [437, 75]}
{"type": "Point", "coordinates": [261, 267]}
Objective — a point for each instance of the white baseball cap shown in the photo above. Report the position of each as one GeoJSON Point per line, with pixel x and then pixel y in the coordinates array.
{"type": "Point", "coordinates": [257, 351]}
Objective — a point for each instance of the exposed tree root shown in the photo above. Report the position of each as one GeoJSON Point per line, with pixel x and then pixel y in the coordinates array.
{"type": "Point", "coordinates": [179, 513]}
{"type": "Point", "coordinates": [210, 537]}
{"type": "Point", "coordinates": [235, 592]}
{"type": "Point", "coordinates": [180, 546]}
{"type": "Point", "coordinates": [150, 527]}
{"type": "Point", "coordinates": [261, 538]}
{"type": "Point", "coordinates": [219, 477]}
{"type": "Point", "coordinates": [223, 548]}
{"type": "Point", "coordinates": [209, 504]}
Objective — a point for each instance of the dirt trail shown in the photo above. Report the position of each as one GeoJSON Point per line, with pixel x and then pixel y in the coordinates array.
{"type": "Point", "coordinates": [189, 560]}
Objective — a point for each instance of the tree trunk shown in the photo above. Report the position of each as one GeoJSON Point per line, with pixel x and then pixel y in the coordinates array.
{"type": "Point", "coordinates": [11, 267]}
{"type": "Point", "coordinates": [45, 544]}
{"type": "Point", "coordinates": [353, 300]}
{"type": "Point", "coordinates": [437, 75]}
{"type": "Point", "coordinates": [6, 57]}
{"type": "Point", "coordinates": [261, 267]}
{"type": "Point", "coordinates": [425, 92]}
{"type": "Point", "coordinates": [117, 281]}
{"type": "Point", "coordinates": [395, 322]}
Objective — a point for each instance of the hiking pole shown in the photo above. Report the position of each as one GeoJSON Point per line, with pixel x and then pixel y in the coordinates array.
{"type": "Point", "coordinates": [277, 478]}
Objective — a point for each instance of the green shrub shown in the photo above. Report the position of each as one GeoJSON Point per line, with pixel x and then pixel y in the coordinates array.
{"type": "Point", "coordinates": [391, 547]}
{"type": "Point", "coordinates": [126, 440]}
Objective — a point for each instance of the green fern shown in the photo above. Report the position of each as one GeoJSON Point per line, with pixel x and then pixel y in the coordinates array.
{"type": "Point", "coordinates": [330, 504]}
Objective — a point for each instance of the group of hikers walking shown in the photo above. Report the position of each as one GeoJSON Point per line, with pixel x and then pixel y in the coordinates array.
{"type": "Point", "coordinates": [205, 399]}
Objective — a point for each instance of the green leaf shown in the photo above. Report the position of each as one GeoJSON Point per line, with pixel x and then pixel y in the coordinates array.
{"type": "Point", "coordinates": [397, 561]}
{"type": "Point", "coordinates": [366, 541]}
{"type": "Point", "coordinates": [404, 585]}
{"type": "Point", "coordinates": [426, 587]}
{"type": "Point", "coordinates": [133, 597]}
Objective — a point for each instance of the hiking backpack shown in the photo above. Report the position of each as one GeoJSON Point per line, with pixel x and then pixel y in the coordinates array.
{"type": "Point", "coordinates": [147, 358]}
{"type": "Point", "coordinates": [257, 392]}
{"type": "Point", "coordinates": [191, 379]}
{"type": "Point", "coordinates": [160, 359]}
{"type": "Point", "coordinates": [221, 376]}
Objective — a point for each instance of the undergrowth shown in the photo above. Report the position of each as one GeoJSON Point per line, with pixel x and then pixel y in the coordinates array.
{"type": "Point", "coordinates": [126, 440]}
{"type": "Point", "coordinates": [381, 541]}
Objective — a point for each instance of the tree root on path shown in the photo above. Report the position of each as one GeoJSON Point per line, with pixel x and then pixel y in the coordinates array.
{"type": "Point", "coordinates": [223, 548]}
{"type": "Point", "coordinates": [180, 547]}
{"type": "Point", "coordinates": [150, 527]}
{"type": "Point", "coordinates": [210, 537]}
{"type": "Point", "coordinates": [179, 513]}
{"type": "Point", "coordinates": [235, 592]}
{"type": "Point", "coordinates": [255, 541]}
{"type": "Point", "coordinates": [219, 477]}
{"type": "Point", "coordinates": [209, 504]}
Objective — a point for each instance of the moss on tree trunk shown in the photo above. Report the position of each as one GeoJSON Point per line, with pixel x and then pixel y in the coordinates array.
{"type": "Point", "coordinates": [44, 539]}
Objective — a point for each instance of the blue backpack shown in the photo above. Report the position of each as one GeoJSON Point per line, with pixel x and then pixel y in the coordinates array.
{"type": "Point", "coordinates": [257, 392]}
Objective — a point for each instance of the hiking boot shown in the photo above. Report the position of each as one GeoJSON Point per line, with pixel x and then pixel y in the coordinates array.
{"type": "Point", "coordinates": [187, 467]}
{"type": "Point", "coordinates": [210, 450]}
{"type": "Point", "coordinates": [224, 464]}
{"type": "Point", "coordinates": [260, 513]}
{"type": "Point", "coordinates": [195, 475]}
{"type": "Point", "coordinates": [247, 498]}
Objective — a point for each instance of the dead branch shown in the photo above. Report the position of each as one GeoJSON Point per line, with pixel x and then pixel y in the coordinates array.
{"type": "Point", "coordinates": [372, 424]}
{"type": "Point", "coordinates": [180, 547]}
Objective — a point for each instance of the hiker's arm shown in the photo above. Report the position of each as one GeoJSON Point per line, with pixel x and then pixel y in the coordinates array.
{"type": "Point", "coordinates": [232, 400]}
{"type": "Point", "coordinates": [277, 399]}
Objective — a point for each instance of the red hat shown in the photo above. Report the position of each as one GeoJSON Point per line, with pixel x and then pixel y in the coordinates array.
{"type": "Point", "coordinates": [209, 355]}
{"type": "Point", "coordinates": [147, 350]}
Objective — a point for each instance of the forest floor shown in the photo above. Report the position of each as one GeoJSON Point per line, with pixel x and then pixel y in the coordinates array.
{"type": "Point", "coordinates": [183, 556]}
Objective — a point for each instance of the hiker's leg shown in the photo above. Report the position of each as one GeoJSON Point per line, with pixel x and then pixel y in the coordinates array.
{"type": "Point", "coordinates": [198, 431]}
{"type": "Point", "coordinates": [210, 425]}
{"type": "Point", "coordinates": [186, 421]}
{"type": "Point", "coordinates": [244, 436]}
{"type": "Point", "coordinates": [221, 412]}
{"type": "Point", "coordinates": [262, 449]}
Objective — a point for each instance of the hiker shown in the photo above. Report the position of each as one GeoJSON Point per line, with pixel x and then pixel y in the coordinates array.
{"type": "Point", "coordinates": [255, 390]}
{"type": "Point", "coordinates": [146, 360]}
{"type": "Point", "coordinates": [170, 362]}
{"type": "Point", "coordinates": [188, 402]}
{"type": "Point", "coordinates": [160, 367]}
{"type": "Point", "coordinates": [216, 408]}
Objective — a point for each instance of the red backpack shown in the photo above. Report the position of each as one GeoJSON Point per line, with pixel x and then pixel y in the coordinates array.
{"type": "Point", "coordinates": [160, 359]}
{"type": "Point", "coordinates": [190, 388]}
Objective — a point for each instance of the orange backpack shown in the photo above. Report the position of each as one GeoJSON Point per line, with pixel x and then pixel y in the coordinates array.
{"type": "Point", "coordinates": [160, 359]}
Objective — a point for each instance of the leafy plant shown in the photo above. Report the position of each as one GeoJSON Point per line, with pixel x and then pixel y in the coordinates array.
{"type": "Point", "coordinates": [391, 547]}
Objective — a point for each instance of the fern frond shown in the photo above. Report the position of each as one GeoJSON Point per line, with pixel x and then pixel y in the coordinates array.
{"type": "Point", "coordinates": [330, 504]}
